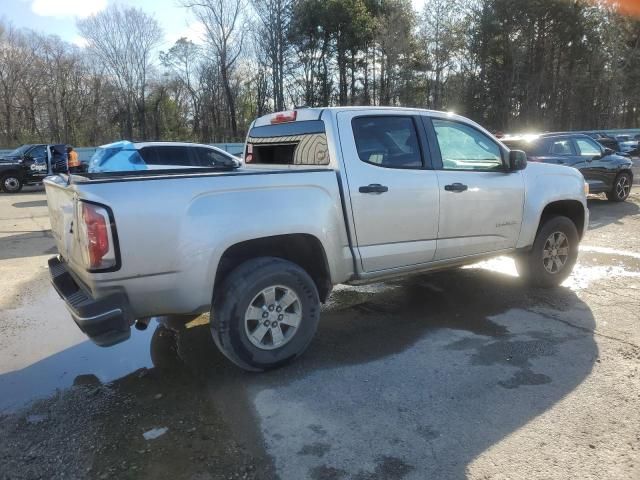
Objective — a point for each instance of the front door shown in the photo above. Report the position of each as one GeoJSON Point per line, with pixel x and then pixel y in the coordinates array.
{"type": "Point", "coordinates": [393, 191]}
{"type": "Point", "coordinates": [35, 161]}
{"type": "Point", "coordinates": [480, 201]}
{"type": "Point", "coordinates": [593, 164]}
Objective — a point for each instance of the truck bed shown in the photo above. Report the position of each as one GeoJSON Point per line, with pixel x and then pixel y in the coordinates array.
{"type": "Point", "coordinates": [173, 226]}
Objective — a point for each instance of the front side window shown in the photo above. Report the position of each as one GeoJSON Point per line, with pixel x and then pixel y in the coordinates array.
{"type": "Point", "coordinates": [208, 157]}
{"type": "Point", "coordinates": [587, 147]}
{"type": "Point", "coordinates": [464, 148]}
{"type": "Point", "coordinates": [561, 147]}
{"type": "Point", "coordinates": [390, 141]}
{"type": "Point", "coordinates": [38, 152]}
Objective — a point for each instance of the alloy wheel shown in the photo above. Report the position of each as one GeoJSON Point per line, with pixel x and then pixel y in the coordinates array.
{"type": "Point", "coordinates": [623, 187]}
{"type": "Point", "coordinates": [272, 318]}
{"type": "Point", "coordinates": [555, 252]}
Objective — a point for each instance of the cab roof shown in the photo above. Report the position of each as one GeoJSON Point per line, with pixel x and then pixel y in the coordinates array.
{"type": "Point", "coordinates": [315, 113]}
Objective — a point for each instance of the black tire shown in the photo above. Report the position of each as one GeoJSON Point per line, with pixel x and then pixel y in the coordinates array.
{"type": "Point", "coordinates": [531, 265]}
{"type": "Point", "coordinates": [235, 296]}
{"type": "Point", "coordinates": [621, 188]}
{"type": "Point", "coordinates": [11, 183]}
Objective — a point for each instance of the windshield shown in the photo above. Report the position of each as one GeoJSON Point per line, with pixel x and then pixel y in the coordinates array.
{"type": "Point", "coordinates": [19, 151]}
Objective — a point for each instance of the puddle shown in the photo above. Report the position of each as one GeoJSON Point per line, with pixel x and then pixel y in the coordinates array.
{"type": "Point", "coordinates": [594, 263]}
{"type": "Point", "coordinates": [354, 321]}
{"type": "Point", "coordinates": [60, 370]}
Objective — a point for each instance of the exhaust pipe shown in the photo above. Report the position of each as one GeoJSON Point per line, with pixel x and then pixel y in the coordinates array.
{"type": "Point", "coordinates": [142, 323]}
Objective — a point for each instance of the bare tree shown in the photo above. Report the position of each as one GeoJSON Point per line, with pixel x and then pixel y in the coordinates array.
{"type": "Point", "coordinates": [442, 33]}
{"type": "Point", "coordinates": [14, 61]}
{"type": "Point", "coordinates": [183, 60]}
{"type": "Point", "coordinates": [273, 19]}
{"type": "Point", "coordinates": [223, 22]}
{"type": "Point", "coordinates": [123, 39]}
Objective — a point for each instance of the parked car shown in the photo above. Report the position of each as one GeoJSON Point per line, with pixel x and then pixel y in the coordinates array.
{"type": "Point", "coordinates": [605, 140]}
{"type": "Point", "coordinates": [604, 171]}
{"type": "Point", "coordinates": [628, 145]}
{"type": "Point", "coordinates": [326, 196]}
{"type": "Point", "coordinates": [30, 164]}
{"type": "Point", "coordinates": [128, 156]}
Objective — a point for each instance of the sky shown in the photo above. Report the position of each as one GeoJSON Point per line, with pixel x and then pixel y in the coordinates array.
{"type": "Point", "coordinates": [59, 16]}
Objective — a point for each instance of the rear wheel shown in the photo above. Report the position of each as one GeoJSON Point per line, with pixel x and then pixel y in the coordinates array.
{"type": "Point", "coordinates": [265, 313]}
{"type": "Point", "coordinates": [553, 255]}
{"type": "Point", "coordinates": [11, 183]}
{"type": "Point", "coordinates": [621, 188]}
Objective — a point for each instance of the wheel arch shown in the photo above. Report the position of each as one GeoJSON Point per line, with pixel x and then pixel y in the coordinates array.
{"type": "Point", "coordinates": [12, 171]}
{"type": "Point", "coordinates": [572, 209]}
{"type": "Point", "coordinates": [303, 249]}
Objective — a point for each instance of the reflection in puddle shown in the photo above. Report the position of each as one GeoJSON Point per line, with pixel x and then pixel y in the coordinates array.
{"type": "Point", "coordinates": [60, 370]}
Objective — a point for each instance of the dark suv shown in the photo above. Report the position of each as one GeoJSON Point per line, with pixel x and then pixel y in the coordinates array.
{"type": "Point", "coordinates": [604, 171]}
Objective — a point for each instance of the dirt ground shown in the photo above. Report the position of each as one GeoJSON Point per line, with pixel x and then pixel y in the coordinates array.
{"type": "Point", "coordinates": [459, 374]}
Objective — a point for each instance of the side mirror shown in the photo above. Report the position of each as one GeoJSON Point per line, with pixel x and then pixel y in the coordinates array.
{"type": "Point", "coordinates": [608, 151]}
{"type": "Point", "coordinates": [517, 160]}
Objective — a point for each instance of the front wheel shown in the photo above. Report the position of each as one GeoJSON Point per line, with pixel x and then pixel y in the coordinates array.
{"type": "Point", "coordinates": [621, 188]}
{"type": "Point", "coordinates": [11, 183]}
{"type": "Point", "coordinates": [553, 255]}
{"type": "Point", "coordinates": [265, 313]}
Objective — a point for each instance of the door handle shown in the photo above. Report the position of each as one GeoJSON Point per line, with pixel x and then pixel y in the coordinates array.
{"type": "Point", "coordinates": [373, 188]}
{"type": "Point", "coordinates": [455, 187]}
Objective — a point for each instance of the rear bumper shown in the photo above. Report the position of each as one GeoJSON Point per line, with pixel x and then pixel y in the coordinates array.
{"type": "Point", "coordinates": [106, 321]}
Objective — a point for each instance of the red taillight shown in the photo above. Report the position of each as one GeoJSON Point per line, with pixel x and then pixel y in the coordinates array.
{"type": "Point", "coordinates": [96, 237]}
{"type": "Point", "coordinates": [283, 117]}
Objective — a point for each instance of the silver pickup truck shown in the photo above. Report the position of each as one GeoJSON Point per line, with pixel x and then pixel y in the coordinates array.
{"type": "Point", "coordinates": [325, 196]}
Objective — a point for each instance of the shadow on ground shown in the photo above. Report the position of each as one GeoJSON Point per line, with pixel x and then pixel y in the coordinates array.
{"type": "Point", "coordinates": [34, 203]}
{"type": "Point", "coordinates": [410, 379]}
{"type": "Point", "coordinates": [27, 244]}
{"type": "Point", "coordinates": [603, 212]}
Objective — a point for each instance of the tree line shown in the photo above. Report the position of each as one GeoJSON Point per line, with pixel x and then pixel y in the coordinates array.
{"type": "Point", "coordinates": [538, 65]}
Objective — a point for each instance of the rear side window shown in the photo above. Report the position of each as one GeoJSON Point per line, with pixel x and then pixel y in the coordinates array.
{"type": "Point", "coordinates": [167, 155]}
{"type": "Point", "coordinates": [294, 143]}
{"type": "Point", "coordinates": [534, 147]}
{"type": "Point", "coordinates": [561, 147]}
{"type": "Point", "coordinates": [387, 141]}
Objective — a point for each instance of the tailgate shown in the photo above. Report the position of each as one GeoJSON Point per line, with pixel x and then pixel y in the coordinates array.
{"type": "Point", "coordinates": [62, 201]}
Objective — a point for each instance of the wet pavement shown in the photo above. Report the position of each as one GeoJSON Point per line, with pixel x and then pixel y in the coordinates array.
{"type": "Point", "coordinates": [458, 374]}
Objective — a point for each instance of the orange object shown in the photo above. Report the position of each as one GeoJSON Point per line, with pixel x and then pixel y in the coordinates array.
{"type": "Point", "coordinates": [626, 7]}
{"type": "Point", "coordinates": [73, 161]}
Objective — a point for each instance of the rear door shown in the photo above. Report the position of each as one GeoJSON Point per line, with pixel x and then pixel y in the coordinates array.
{"type": "Point", "coordinates": [393, 190]}
{"type": "Point", "coordinates": [169, 156]}
{"type": "Point", "coordinates": [480, 201]}
{"type": "Point", "coordinates": [562, 151]}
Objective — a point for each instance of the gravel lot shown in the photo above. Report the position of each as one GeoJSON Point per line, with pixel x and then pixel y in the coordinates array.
{"type": "Point", "coordinates": [460, 374]}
